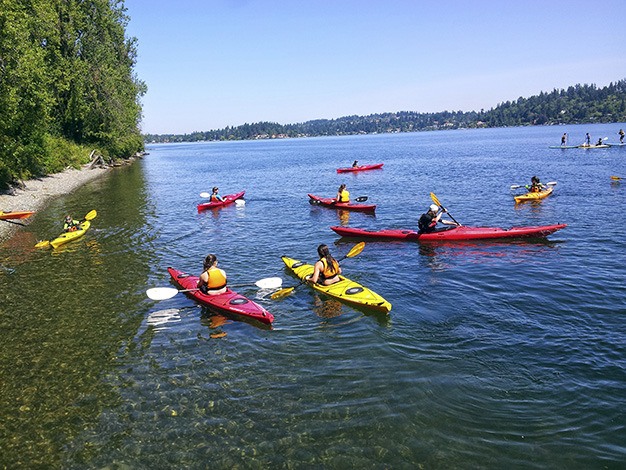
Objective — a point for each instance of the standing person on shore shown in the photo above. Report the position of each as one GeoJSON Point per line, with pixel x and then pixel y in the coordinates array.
{"type": "Point", "coordinates": [564, 139]}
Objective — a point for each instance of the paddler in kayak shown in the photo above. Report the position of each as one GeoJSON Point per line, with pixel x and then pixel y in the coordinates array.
{"type": "Point", "coordinates": [70, 224]}
{"type": "Point", "coordinates": [342, 194]}
{"type": "Point", "coordinates": [428, 221]}
{"type": "Point", "coordinates": [355, 164]}
{"type": "Point", "coordinates": [213, 280]}
{"type": "Point", "coordinates": [535, 185]}
{"type": "Point", "coordinates": [326, 270]}
{"type": "Point", "coordinates": [215, 197]}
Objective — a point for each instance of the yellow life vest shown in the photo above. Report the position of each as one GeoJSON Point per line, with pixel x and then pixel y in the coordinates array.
{"type": "Point", "coordinates": [217, 280]}
{"type": "Point", "coordinates": [344, 196]}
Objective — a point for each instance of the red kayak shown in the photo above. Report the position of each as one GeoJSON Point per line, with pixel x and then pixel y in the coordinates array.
{"type": "Point", "coordinates": [229, 199]}
{"type": "Point", "coordinates": [360, 168]}
{"type": "Point", "coordinates": [230, 302]}
{"type": "Point", "coordinates": [15, 215]}
{"type": "Point", "coordinates": [452, 233]}
{"type": "Point", "coordinates": [349, 206]}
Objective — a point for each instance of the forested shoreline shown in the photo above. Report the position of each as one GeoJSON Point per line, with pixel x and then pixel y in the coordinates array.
{"type": "Point", "coordinates": [67, 86]}
{"type": "Point", "coordinates": [576, 105]}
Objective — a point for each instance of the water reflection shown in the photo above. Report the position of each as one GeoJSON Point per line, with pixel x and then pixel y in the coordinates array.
{"type": "Point", "coordinates": [344, 217]}
{"type": "Point", "coordinates": [214, 322]}
{"type": "Point", "coordinates": [439, 254]}
{"type": "Point", "coordinates": [327, 308]}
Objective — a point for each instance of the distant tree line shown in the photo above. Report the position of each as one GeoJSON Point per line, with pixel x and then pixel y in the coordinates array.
{"type": "Point", "coordinates": [578, 104]}
{"type": "Point", "coordinates": [67, 85]}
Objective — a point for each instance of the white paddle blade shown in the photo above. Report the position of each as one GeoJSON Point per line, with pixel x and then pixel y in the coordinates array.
{"type": "Point", "coordinates": [205, 195]}
{"type": "Point", "coordinates": [551, 183]}
{"type": "Point", "coordinates": [161, 293]}
{"type": "Point", "coordinates": [269, 283]}
{"type": "Point", "coordinates": [240, 202]}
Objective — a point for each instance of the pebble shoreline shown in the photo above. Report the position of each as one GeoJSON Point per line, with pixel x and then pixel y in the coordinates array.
{"type": "Point", "coordinates": [37, 193]}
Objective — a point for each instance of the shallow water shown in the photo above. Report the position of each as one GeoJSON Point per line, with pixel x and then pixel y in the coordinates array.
{"type": "Point", "coordinates": [494, 354]}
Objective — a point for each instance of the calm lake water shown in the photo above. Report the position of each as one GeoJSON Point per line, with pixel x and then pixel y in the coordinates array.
{"type": "Point", "coordinates": [494, 355]}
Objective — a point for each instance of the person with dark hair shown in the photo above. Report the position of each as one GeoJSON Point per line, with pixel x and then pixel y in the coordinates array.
{"type": "Point", "coordinates": [213, 280]}
{"type": "Point", "coordinates": [564, 139]}
{"type": "Point", "coordinates": [215, 197]}
{"type": "Point", "coordinates": [326, 270]}
{"type": "Point", "coordinates": [535, 185]}
{"type": "Point", "coordinates": [621, 136]}
{"type": "Point", "coordinates": [355, 164]}
{"type": "Point", "coordinates": [342, 194]}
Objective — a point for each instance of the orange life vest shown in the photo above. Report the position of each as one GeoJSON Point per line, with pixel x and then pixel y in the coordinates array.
{"type": "Point", "coordinates": [217, 280]}
{"type": "Point", "coordinates": [329, 271]}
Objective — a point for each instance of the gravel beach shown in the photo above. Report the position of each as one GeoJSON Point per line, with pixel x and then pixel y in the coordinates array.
{"type": "Point", "coordinates": [38, 192]}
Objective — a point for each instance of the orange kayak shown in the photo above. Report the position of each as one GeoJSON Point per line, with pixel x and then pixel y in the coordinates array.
{"type": "Point", "coordinates": [15, 215]}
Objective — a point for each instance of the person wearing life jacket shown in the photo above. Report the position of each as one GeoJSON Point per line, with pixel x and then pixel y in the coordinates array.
{"type": "Point", "coordinates": [327, 270]}
{"type": "Point", "coordinates": [70, 224]}
{"type": "Point", "coordinates": [535, 185]}
{"type": "Point", "coordinates": [428, 221]}
{"type": "Point", "coordinates": [215, 197]}
{"type": "Point", "coordinates": [342, 194]}
{"type": "Point", "coordinates": [213, 280]}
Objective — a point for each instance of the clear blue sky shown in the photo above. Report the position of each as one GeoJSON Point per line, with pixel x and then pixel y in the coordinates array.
{"type": "Point", "coordinates": [217, 63]}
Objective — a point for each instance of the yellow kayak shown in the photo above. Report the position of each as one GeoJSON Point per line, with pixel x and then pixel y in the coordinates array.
{"type": "Point", "coordinates": [69, 236]}
{"type": "Point", "coordinates": [534, 196]}
{"type": "Point", "coordinates": [345, 290]}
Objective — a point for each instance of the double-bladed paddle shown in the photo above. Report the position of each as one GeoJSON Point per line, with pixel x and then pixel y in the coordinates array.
{"type": "Point", "coordinates": [163, 293]}
{"type": "Point", "coordinates": [89, 216]}
{"type": "Point", "coordinates": [549, 183]}
{"type": "Point", "coordinates": [436, 201]}
{"type": "Point", "coordinates": [356, 249]}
